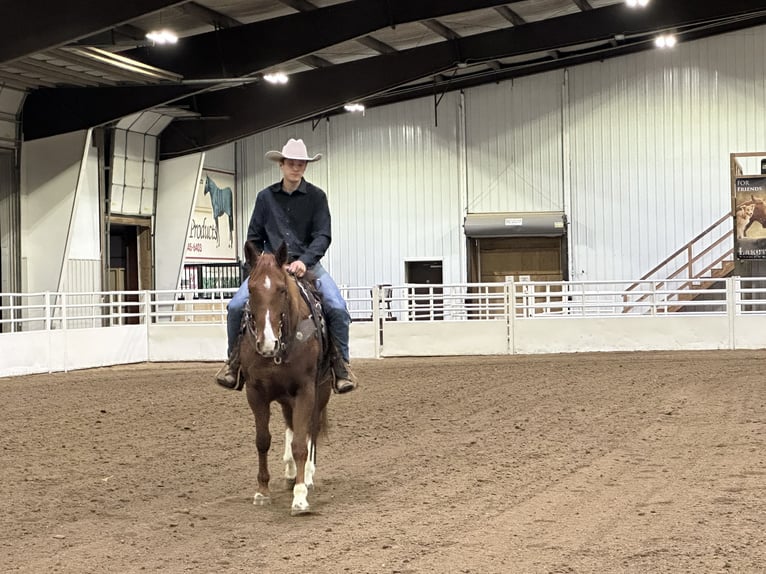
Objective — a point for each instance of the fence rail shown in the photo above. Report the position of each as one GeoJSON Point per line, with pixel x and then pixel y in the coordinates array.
{"type": "Point", "coordinates": [46, 332]}
{"type": "Point", "coordinates": [409, 302]}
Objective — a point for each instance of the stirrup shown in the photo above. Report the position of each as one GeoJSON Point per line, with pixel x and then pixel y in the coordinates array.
{"type": "Point", "coordinates": [344, 380]}
{"type": "Point", "coordinates": [228, 379]}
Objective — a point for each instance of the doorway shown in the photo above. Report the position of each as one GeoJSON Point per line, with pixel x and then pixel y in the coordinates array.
{"type": "Point", "coordinates": [498, 259]}
{"type": "Point", "coordinates": [424, 303]}
{"type": "Point", "coordinates": [130, 262]}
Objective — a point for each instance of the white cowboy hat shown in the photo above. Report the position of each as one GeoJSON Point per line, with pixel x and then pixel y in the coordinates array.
{"type": "Point", "coordinates": [293, 149]}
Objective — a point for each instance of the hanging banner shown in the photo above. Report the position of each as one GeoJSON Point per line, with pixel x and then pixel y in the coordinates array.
{"type": "Point", "coordinates": [750, 217]}
{"type": "Point", "coordinates": [212, 234]}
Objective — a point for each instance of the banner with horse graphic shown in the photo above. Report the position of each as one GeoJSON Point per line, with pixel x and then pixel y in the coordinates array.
{"type": "Point", "coordinates": [211, 235]}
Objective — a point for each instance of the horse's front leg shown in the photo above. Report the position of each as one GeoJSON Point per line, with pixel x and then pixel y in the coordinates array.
{"type": "Point", "coordinates": [262, 413]}
{"type": "Point", "coordinates": [301, 444]}
{"type": "Point", "coordinates": [288, 459]}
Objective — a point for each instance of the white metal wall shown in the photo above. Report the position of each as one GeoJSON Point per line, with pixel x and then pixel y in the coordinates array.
{"type": "Point", "coordinates": [514, 145]}
{"type": "Point", "coordinates": [82, 271]}
{"type": "Point", "coordinates": [394, 190]}
{"type": "Point", "coordinates": [50, 172]}
{"type": "Point", "coordinates": [650, 141]}
{"type": "Point", "coordinates": [635, 150]}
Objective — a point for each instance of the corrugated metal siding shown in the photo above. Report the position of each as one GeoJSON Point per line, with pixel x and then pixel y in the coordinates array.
{"type": "Point", "coordinates": [221, 158]}
{"type": "Point", "coordinates": [82, 276]}
{"type": "Point", "coordinates": [635, 150]}
{"type": "Point", "coordinates": [514, 145]}
{"type": "Point", "coordinates": [650, 137]}
{"type": "Point", "coordinates": [394, 191]}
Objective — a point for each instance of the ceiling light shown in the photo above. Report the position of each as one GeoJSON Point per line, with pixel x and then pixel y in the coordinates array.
{"type": "Point", "coordinates": [354, 107]}
{"type": "Point", "coordinates": [637, 3]}
{"type": "Point", "coordinates": [665, 41]}
{"type": "Point", "coordinates": [162, 37]}
{"type": "Point", "coordinates": [276, 78]}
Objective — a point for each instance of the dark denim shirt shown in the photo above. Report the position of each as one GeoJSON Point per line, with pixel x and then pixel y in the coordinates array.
{"type": "Point", "coordinates": [300, 219]}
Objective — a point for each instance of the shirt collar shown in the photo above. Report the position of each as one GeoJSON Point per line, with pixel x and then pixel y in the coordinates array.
{"type": "Point", "coordinates": [302, 187]}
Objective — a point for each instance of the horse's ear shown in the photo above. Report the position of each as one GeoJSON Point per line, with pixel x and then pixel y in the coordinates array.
{"type": "Point", "coordinates": [251, 253]}
{"type": "Point", "coordinates": [281, 254]}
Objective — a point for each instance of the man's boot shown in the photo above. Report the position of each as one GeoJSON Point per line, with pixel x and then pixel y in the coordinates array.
{"type": "Point", "coordinates": [345, 381]}
{"type": "Point", "coordinates": [228, 375]}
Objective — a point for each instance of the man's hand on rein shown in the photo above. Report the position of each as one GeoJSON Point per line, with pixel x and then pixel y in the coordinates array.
{"type": "Point", "coordinates": [297, 268]}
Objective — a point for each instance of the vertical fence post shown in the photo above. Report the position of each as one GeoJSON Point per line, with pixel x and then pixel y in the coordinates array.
{"type": "Point", "coordinates": [510, 316]}
{"type": "Point", "coordinates": [733, 291]}
{"type": "Point", "coordinates": [377, 317]}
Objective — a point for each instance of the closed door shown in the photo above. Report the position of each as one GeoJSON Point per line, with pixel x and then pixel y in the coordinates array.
{"type": "Point", "coordinates": [534, 258]}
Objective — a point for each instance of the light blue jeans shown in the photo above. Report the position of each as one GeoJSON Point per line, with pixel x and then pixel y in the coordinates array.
{"type": "Point", "coordinates": [333, 305]}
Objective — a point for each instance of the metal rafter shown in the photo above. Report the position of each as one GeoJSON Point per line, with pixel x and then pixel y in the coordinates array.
{"type": "Point", "coordinates": [315, 61]}
{"type": "Point", "coordinates": [299, 5]}
{"type": "Point", "coordinates": [315, 92]}
{"type": "Point", "coordinates": [260, 45]}
{"type": "Point", "coordinates": [212, 17]}
{"type": "Point", "coordinates": [58, 23]}
{"type": "Point", "coordinates": [583, 5]}
{"type": "Point", "coordinates": [438, 28]}
{"type": "Point", "coordinates": [377, 45]}
{"type": "Point", "coordinates": [510, 15]}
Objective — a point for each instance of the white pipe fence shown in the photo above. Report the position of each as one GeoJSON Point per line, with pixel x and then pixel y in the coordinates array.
{"type": "Point", "coordinates": [46, 332]}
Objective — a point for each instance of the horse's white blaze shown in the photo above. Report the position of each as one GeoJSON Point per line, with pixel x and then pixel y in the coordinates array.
{"type": "Point", "coordinates": [300, 500]}
{"type": "Point", "coordinates": [310, 467]}
{"type": "Point", "coordinates": [290, 469]}
{"type": "Point", "coordinates": [269, 339]}
{"type": "Point", "coordinates": [267, 283]}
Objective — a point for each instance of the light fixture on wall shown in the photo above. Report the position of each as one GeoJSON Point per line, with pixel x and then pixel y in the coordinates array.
{"type": "Point", "coordinates": [276, 78]}
{"type": "Point", "coordinates": [637, 3]}
{"type": "Point", "coordinates": [162, 37]}
{"type": "Point", "coordinates": [354, 108]}
{"type": "Point", "coordinates": [665, 41]}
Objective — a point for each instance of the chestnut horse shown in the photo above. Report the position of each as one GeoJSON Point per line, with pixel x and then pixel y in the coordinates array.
{"type": "Point", "coordinates": [284, 357]}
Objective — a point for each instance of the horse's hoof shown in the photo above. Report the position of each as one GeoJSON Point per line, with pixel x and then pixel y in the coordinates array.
{"type": "Point", "coordinates": [261, 499]}
{"type": "Point", "coordinates": [299, 511]}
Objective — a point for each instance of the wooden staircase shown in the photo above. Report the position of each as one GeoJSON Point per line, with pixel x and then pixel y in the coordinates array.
{"type": "Point", "coordinates": [700, 277]}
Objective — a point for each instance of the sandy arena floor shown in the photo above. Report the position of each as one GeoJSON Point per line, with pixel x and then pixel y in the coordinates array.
{"type": "Point", "coordinates": [593, 463]}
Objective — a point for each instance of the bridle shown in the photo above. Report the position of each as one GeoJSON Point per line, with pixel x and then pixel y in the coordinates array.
{"type": "Point", "coordinates": [282, 347]}
{"type": "Point", "coordinates": [288, 335]}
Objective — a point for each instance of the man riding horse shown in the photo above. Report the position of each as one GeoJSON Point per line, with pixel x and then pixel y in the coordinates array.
{"type": "Point", "coordinates": [296, 213]}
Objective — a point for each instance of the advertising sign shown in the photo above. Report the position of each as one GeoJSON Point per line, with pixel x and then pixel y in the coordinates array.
{"type": "Point", "coordinates": [212, 235]}
{"type": "Point", "coordinates": [750, 217]}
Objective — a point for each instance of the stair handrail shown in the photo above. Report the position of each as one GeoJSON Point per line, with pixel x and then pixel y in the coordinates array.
{"type": "Point", "coordinates": [688, 265]}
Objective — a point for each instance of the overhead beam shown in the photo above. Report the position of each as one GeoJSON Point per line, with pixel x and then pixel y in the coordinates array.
{"type": "Point", "coordinates": [440, 29]}
{"type": "Point", "coordinates": [541, 65]}
{"type": "Point", "coordinates": [315, 61]}
{"type": "Point", "coordinates": [210, 16]}
{"type": "Point", "coordinates": [258, 107]}
{"type": "Point", "coordinates": [332, 87]}
{"type": "Point", "coordinates": [59, 23]}
{"type": "Point", "coordinates": [583, 5]}
{"type": "Point", "coordinates": [257, 46]}
{"type": "Point", "coordinates": [48, 112]}
{"type": "Point", "coordinates": [377, 45]}
{"type": "Point", "coordinates": [299, 5]}
{"type": "Point", "coordinates": [510, 15]}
